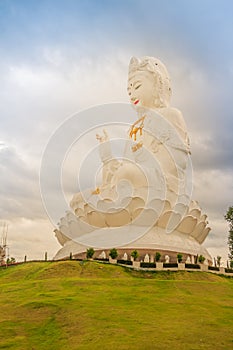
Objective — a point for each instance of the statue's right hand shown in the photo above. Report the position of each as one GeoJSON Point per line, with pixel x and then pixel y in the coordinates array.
{"type": "Point", "coordinates": [103, 138]}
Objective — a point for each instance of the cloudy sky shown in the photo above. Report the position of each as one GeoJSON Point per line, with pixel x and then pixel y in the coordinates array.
{"type": "Point", "coordinates": [60, 57]}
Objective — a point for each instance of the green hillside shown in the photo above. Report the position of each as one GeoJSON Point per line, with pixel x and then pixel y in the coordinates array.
{"type": "Point", "coordinates": [89, 305]}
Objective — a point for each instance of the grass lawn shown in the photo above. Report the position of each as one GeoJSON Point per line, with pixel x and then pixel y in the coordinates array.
{"type": "Point", "coordinates": [89, 305]}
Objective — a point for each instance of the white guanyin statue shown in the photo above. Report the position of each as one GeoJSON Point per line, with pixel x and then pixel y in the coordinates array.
{"type": "Point", "coordinates": [144, 201]}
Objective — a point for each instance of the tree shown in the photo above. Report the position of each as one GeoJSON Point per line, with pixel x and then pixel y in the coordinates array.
{"type": "Point", "coordinates": [10, 261]}
{"type": "Point", "coordinates": [201, 259]}
{"type": "Point", "coordinates": [90, 253]}
{"type": "Point", "coordinates": [179, 257]}
{"type": "Point", "coordinates": [135, 254]}
{"type": "Point", "coordinates": [229, 218]}
{"type": "Point", "coordinates": [157, 256]}
{"type": "Point", "coordinates": [219, 260]}
{"type": "Point", "coordinates": [113, 253]}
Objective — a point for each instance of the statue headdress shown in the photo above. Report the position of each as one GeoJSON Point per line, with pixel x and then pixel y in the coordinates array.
{"type": "Point", "coordinates": [160, 72]}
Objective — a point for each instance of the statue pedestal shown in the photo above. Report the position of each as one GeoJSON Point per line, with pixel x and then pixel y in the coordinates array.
{"type": "Point", "coordinates": [136, 264]}
{"type": "Point", "coordinates": [159, 266]}
{"type": "Point", "coordinates": [222, 270]}
{"type": "Point", "coordinates": [112, 261]}
{"type": "Point", "coordinates": [204, 267]}
{"type": "Point", "coordinates": [181, 266]}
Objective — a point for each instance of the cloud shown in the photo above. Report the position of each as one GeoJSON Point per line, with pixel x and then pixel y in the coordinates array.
{"type": "Point", "coordinates": [19, 192]}
{"type": "Point", "coordinates": [214, 188]}
{"type": "Point", "coordinates": [31, 238]}
{"type": "Point", "coordinates": [210, 153]}
{"type": "Point", "coordinates": [216, 242]}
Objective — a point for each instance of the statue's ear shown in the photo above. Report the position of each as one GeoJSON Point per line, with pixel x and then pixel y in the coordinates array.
{"type": "Point", "coordinates": [134, 61]}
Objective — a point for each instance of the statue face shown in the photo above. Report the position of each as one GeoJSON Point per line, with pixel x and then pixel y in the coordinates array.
{"type": "Point", "coordinates": [142, 89]}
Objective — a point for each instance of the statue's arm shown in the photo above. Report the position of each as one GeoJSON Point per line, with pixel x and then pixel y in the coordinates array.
{"type": "Point", "coordinates": [176, 118]}
{"type": "Point", "coordinates": [110, 164]}
{"type": "Point", "coordinates": [182, 128]}
{"type": "Point", "coordinates": [104, 147]}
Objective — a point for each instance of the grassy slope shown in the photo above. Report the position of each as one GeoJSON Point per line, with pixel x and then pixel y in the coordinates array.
{"type": "Point", "coordinates": [72, 305]}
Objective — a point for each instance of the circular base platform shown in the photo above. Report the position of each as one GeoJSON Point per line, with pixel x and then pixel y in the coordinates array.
{"type": "Point", "coordinates": [156, 239]}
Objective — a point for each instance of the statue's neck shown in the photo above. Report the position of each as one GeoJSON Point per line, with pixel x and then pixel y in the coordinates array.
{"type": "Point", "coordinates": [141, 111]}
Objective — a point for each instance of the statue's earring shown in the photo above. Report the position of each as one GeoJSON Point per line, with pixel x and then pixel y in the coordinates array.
{"type": "Point", "coordinates": [156, 95]}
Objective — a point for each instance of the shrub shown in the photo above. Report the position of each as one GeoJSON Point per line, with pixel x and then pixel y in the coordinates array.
{"type": "Point", "coordinates": [179, 257]}
{"type": "Point", "coordinates": [148, 265]}
{"type": "Point", "coordinates": [157, 256]}
{"type": "Point", "coordinates": [101, 259]}
{"type": "Point", "coordinates": [125, 262]}
{"type": "Point", "coordinates": [10, 261]}
{"type": "Point", "coordinates": [229, 270]}
{"type": "Point", "coordinates": [90, 253]}
{"type": "Point", "coordinates": [135, 254]}
{"type": "Point", "coordinates": [213, 268]}
{"type": "Point", "coordinates": [113, 253]}
{"type": "Point", "coordinates": [192, 266]}
{"type": "Point", "coordinates": [201, 259]}
{"type": "Point", "coordinates": [231, 264]}
{"type": "Point", "coordinates": [170, 265]}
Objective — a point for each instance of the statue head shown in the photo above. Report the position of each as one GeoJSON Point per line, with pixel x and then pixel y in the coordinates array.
{"type": "Point", "coordinates": [148, 83]}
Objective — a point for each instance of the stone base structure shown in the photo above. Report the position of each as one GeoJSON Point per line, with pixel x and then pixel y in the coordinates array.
{"type": "Point", "coordinates": [156, 240]}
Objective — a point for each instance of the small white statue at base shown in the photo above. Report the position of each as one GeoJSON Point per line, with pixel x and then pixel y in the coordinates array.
{"type": "Point", "coordinates": [125, 256]}
{"type": "Point", "coordinates": [102, 255]}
